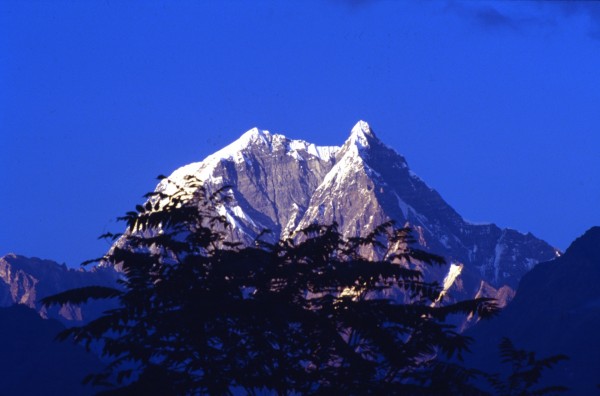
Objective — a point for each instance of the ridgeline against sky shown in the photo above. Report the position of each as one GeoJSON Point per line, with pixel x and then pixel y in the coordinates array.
{"type": "Point", "coordinates": [494, 104]}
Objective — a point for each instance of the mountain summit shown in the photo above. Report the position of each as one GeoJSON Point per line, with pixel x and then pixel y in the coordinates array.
{"type": "Point", "coordinates": [360, 136]}
{"type": "Point", "coordinates": [283, 185]}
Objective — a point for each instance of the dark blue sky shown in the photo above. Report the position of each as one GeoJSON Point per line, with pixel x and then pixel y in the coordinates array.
{"type": "Point", "coordinates": [494, 104]}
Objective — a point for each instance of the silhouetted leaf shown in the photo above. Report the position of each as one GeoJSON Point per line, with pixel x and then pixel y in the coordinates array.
{"type": "Point", "coordinates": [81, 295]}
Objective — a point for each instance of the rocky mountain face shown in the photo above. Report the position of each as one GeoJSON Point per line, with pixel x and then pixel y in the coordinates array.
{"type": "Point", "coordinates": [556, 311]}
{"type": "Point", "coordinates": [284, 185]}
{"type": "Point", "coordinates": [26, 281]}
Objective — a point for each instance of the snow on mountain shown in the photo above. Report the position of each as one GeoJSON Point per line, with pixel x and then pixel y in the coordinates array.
{"type": "Point", "coordinates": [253, 138]}
{"type": "Point", "coordinates": [284, 185]}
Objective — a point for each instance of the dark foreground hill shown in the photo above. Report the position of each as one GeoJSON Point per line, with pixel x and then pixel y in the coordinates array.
{"type": "Point", "coordinates": [33, 363]}
{"type": "Point", "coordinates": [556, 311]}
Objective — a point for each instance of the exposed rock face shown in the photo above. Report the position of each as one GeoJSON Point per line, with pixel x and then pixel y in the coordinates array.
{"type": "Point", "coordinates": [27, 280]}
{"type": "Point", "coordinates": [556, 311]}
{"type": "Point", "coordinates": [273, 179]}
{"type": "Point", "coordinates": [284, 185]}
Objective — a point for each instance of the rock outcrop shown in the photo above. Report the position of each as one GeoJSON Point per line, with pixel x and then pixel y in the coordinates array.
{"type": "Point", "coordinates": [26, 281]}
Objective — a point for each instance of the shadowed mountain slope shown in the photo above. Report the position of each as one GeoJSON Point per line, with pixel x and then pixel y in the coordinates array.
{"type": "Point", "coordinates": [556, 311]}
{"type": "Point", "coordinates": [32, 362]}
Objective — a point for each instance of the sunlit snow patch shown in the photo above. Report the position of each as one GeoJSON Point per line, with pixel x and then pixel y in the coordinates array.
{"type": "Point", "coordinates": [453, 273]}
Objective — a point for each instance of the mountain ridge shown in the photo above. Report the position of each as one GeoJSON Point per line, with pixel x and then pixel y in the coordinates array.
{"type": "Point", "coordinates": [26, 280]}
{"type": "Point", "coordinates": [283, 185]}
{"type": "Point", "coordinates": [556, 311]}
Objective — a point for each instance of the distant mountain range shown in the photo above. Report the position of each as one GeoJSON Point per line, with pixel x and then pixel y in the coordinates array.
{"type": "Point", "coordinates": [283, 185]}
{"type": "Point", "coordinates": [26, 281]}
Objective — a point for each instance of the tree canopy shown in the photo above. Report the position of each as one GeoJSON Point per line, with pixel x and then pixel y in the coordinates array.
{"type": "Point", "coordinates": [316, 313]}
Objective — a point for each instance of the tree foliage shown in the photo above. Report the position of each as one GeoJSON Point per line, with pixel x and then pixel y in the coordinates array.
{"type": "Point", "coordinates": [526, 372]}
{"type": "Point", "coordinates": [313, 314]}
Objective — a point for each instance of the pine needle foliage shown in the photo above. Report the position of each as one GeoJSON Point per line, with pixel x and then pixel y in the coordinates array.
{"type": "Point", "coordinates": [200, 314]}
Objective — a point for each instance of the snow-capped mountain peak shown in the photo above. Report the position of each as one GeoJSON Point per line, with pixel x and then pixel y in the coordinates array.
{"type": "Point", "coordinates": [255, 135]}
{"type": "Point", "coordinates": [285, 185]}
{"type": "Point", "coordinates": [360, 139]}
{"type": "Point", "coordinates": [240, 151]}
{"type": "Point", "coordinates": [362, 142]}
{"type": "Point", "coordinates": [234, 150]}
{"type": "Point", "coordinates": [361, 133]}
{"type": "Point", "coordinates": [272, 142]}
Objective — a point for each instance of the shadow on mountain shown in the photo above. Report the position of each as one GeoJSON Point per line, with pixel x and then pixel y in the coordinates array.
{"type": "Point", "coordinates": [32, 362]}
{"type": "Point", "coordinates": [556, 311]}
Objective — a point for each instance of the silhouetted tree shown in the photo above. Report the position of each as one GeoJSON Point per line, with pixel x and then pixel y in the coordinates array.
{"type": "Point", "coordinates": [200, 314]}
{"type": "Point", "coordinates": [526, 372]}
